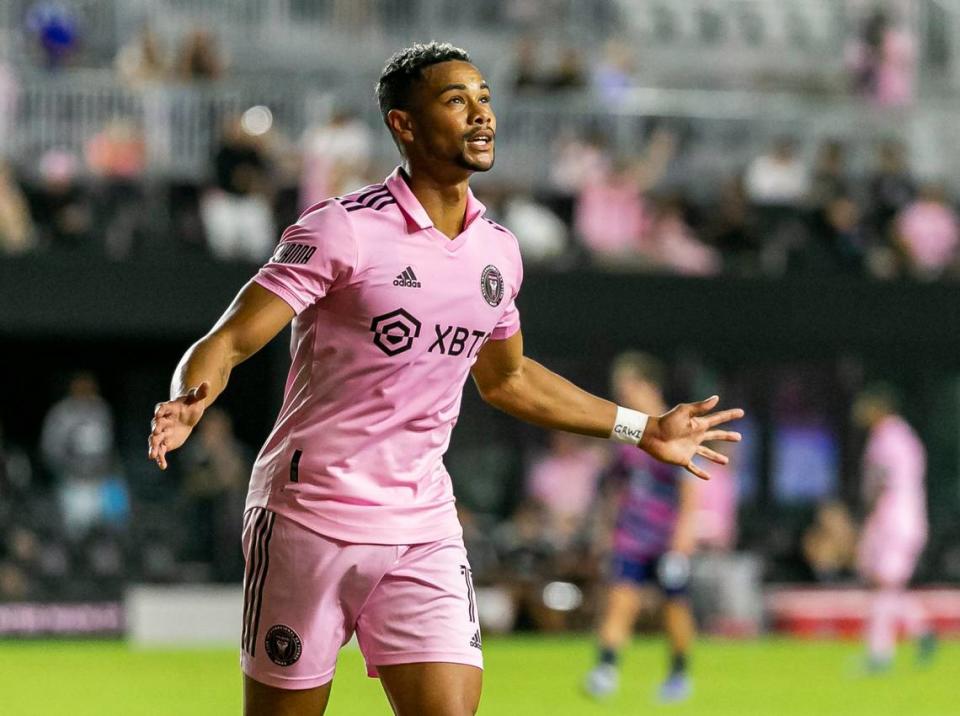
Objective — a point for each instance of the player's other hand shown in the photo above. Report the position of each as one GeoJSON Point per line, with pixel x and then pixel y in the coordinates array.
{"type": "Point", "coordinates": [173, 422]}
{"type": "Point", "coordinates": [676, 437]}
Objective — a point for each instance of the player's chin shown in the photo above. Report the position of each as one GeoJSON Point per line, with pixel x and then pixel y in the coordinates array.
{"type": "Point", "coordinates": [477, 162]}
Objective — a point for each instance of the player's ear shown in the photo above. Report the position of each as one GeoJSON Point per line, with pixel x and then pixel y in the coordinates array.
{"type": "Point", "coordinates": [400, 122]}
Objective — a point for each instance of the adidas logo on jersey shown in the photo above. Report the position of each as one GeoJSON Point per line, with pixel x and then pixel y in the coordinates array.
{"type": "Point", "coordinates": [475, 641]}
{"type": "Point", "coordinates": [407, 279]}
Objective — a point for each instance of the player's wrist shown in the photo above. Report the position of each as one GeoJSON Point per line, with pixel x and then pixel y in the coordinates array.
{"type": "Point", "coordinates": [629, 426]}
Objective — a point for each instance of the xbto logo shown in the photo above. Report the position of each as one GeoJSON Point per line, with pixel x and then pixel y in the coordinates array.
{"type": "Point", "coordinates": [394, 333]}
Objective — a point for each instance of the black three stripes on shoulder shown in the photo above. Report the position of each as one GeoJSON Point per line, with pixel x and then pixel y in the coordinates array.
{"type": "Point", "coordinates": [495, 225]}
{"type": "Point", "coordinates": [375, 198]}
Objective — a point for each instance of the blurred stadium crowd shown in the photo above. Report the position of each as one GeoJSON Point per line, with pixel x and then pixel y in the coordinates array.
{"type": "Point", "coordinates": [142, 132]}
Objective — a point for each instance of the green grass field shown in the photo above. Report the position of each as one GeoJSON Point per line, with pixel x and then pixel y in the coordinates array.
{"type": "Point", "coordinates": [524, 676]}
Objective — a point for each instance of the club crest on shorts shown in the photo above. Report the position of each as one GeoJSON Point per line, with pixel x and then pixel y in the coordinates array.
{"type": "Point", "coordinates": [283, 645]}
{"type": "Point", "coordinates": [491, 285]}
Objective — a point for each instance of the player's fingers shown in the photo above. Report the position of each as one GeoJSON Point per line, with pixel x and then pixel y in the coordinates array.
{"type": "Point", "coordinates": [723, 416]}
{"type": "Point", "coordinates": [162, 409]}
{"type": "Point", "coordinates": [695, 470]}
{"type": "Point", "coordinates": [162, 457]}
{"type": "Point", "coordinates": [730, 436]}
{"type": "Point", "coordinates": [712, 455]}
{"type": "Point", "coordinates": [702, 407]}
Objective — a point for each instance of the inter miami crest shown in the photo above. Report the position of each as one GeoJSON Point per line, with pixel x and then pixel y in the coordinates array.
{"type": "Point", "coordinates": [491, 285]}
{"type": "Point", "coordinates": [283, 645]}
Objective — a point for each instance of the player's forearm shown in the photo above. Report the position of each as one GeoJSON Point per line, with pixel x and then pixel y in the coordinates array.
{"type": "Point", "coordinates": [540, 396]}
{"type": "Point", "coordinates": [210, 361]}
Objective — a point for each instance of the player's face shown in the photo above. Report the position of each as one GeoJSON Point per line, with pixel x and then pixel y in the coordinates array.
{"type": "Point", "coordinates": [453, 121]}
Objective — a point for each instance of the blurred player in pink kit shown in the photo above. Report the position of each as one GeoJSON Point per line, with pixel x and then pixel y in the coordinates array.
{"type": "Point", "coordinates": [397, 292]}
{"type": "Point", "coordinates": [894, 470]}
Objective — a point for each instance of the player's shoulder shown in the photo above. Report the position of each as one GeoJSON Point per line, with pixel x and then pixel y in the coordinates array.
{"type": "Point", "coordinates": [373, 197]}
{"type": "Point", "coordinates": [503, 232]}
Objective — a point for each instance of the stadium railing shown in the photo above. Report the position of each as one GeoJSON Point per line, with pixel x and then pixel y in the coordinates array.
{"type": "Point", "coordinates": [720, 130]}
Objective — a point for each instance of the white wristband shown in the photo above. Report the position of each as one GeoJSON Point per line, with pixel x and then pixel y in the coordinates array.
{"type": "Point", "coordinates": [629, 426]}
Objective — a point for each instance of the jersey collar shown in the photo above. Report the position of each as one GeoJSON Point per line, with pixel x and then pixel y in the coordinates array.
{"type": "Point", "coordinates": [414, 210]}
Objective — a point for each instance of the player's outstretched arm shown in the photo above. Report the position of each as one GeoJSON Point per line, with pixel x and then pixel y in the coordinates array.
{"type": "Point", "coordinates": [525, 389]}
{"type": "Point", "coordinates": [255, 316]}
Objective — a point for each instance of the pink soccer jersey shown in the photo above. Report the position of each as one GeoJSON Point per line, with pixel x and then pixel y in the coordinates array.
{"type": "Point", "coordinates": [391, 314]}
{"type": "Point", "coordinates": [896, 458]}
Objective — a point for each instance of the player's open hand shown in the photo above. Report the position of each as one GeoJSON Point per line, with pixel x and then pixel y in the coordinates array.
{"type": "Point", "coordinates": [676, 437]}
{"type": "Point", "coordinates": [173, 422]}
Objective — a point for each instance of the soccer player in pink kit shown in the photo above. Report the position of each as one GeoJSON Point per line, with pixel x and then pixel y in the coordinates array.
{"type": "Point", "coordinates": [396, 292]}
{"type": "Point", "coordinates": [894, 468]}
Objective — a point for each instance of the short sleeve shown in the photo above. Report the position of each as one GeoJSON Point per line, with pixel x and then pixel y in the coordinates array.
{"type": "Point", "coordinates": [509, 322]}
{"type": "Point", "coordinates": [314, 257]}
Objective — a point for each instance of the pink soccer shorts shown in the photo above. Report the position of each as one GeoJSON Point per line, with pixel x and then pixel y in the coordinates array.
{"type": "Point", "coordinates": [887, 560]}
{"type": "Point", "coordinates": [306, 594]}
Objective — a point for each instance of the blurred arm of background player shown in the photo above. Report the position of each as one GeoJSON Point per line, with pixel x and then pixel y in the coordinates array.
{"type": "Point", "coordinates": [249, 323]}
{"type": "Point", "coordinates": [523, 388]}
{"type": "Point", "coordinates": [684, 538]}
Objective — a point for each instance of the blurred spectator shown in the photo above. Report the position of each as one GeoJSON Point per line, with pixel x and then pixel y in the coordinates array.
{"type": "Point", "coordinates": [615, 73]}
{"type": "Point", "coordinates": [883, 61]}
{"type": "Point", "coordinates": [926, 232]}
{"type": "Point", "coordinates": [116, 157]}
{"type": "Point", "coordinates": [199, 57]}
{"type": "Point", "coordinates": [54, 27]}
{"type": "Point", "coordinates": [117, 151]}
{"type": "Point", "coordinates": [778, 177]}
{"type": "Point", "coordinates": [891, 186]}
{"type": "Point", "coordinates": [830, 543]}
{"type": "Point", "coordinates": [16, 228]}
{"type": "Point", "coordinates": [336, 158]}
{"type": "Point", "coordinates": [77, 443]}
{"type": "Point", "coordinates": [542, 235]}
{"type": "Point", "coordinates": [237, 213]}
{"type": "Point", "coordinates": [60, 204]}
{"type": "Point", "coordinates": [526, 66]}
{"type": "Point", "coordinates": [611, 214]}
{"type": "Point", "coordinates": [577, 163]}
{"type": "Point", "coordinates": [671, 244]}
{"type": "Point", "coordinates": [529, 77]}
{"type": "Point", "coordinates": [524, 544]}
{"type": "Point", "coordinates": [838, 240]}
{"type": "Point", "coordinates": [569, 73]}
{"type": "Point", "coordinates": [141, 60]}
{"type": "Point", "coordinates": [216, 469]}
{"type": "Point", "coordinates": [16, 475]}
{"type": "Point", "coordinates": [732, 229]}
{"type": "Point", "coordinates": [830, 178]}
{"type": "Point", "coordinates": [564, 481]}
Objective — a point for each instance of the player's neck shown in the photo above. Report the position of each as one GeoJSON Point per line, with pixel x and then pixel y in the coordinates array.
{"type": "Point", "coordinates": [444, 199]}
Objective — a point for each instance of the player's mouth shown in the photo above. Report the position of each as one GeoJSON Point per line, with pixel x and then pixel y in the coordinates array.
{"type": "Point", "coordinates": [481, 140]}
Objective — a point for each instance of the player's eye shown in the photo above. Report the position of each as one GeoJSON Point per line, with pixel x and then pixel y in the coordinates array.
{"type": "Point", "coordinates": [485, 99]}
{"type": "Point", "coordinates": [455, 99]}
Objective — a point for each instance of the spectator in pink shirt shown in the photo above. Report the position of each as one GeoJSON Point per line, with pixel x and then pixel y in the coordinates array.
{"type": "Point", "coordinates": [671, 243]}
{"type": "Point", "coordinates": [611, 214]}
{"type": "Point", "coordinates": [564, 481]}
{"type": "Point", "coordinates": [926, 231]}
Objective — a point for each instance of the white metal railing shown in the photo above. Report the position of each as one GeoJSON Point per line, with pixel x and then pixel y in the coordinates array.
{"type": "Point", "coordinates": [720, 130]}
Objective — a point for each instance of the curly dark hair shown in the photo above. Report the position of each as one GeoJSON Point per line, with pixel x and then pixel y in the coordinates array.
{"type": "Point", "coordinates": [405, 68]}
